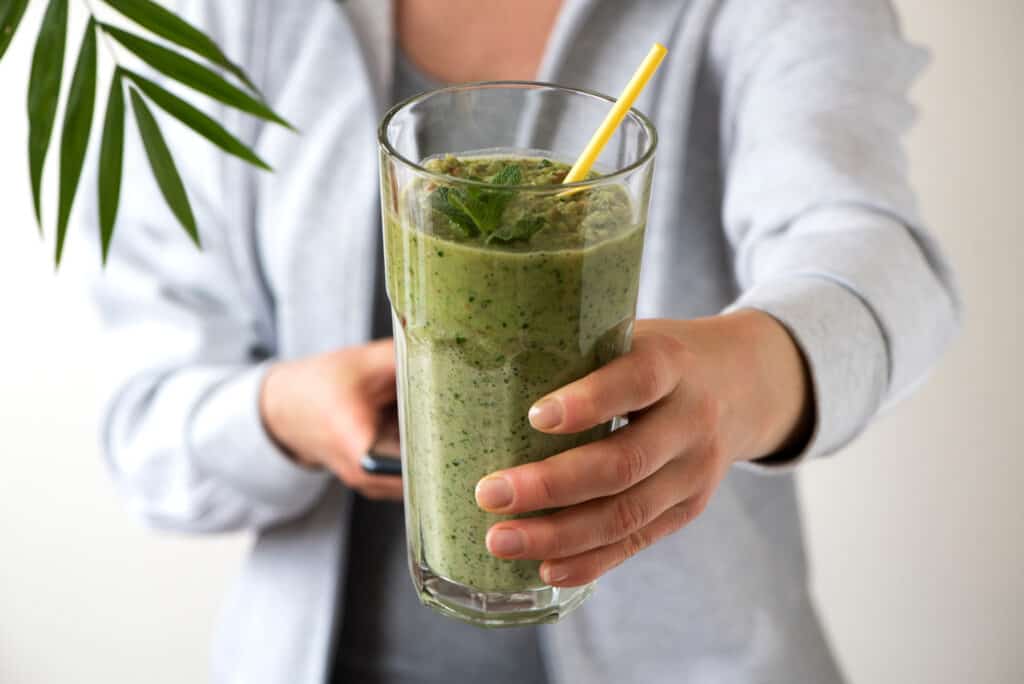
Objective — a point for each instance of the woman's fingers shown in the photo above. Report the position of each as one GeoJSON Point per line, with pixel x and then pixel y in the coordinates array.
{"type": "Point", "coordinates": [360, 425]}
{"type": "Point", "coordinates": [386, 491]}
{"type": "Point", "coordinates": [376, 373]}
{"type": "Point", "coordinates": [596, 523]}
{"type": "Point", "coordinates": [594, 470]}
{"type": "Point", "coordinates": [588, 566]}
{"type": "Point", "coordinates": [629, 383]}
{"type": "Point", "coordinates": [604, 467]}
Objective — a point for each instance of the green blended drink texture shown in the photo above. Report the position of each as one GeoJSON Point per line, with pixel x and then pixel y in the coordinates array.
{"type": "Point", "coordinates": [500, 296]}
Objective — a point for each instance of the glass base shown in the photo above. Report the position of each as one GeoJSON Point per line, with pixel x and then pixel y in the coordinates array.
{"type": "Point", "coordinates": [496, 609]}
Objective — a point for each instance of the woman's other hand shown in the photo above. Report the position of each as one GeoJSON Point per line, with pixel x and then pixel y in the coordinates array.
{"type": "Point", "coordinates": [326, 411]}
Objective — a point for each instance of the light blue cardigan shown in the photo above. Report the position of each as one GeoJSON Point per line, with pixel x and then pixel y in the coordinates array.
{"type": "Point", "coordinates": [780, 185]}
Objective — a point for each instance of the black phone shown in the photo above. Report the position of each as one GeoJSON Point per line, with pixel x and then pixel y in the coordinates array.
{"type": "Point", "coordinates": [383, 456]}
{"type": "Point", "coordinates": [379, 464]}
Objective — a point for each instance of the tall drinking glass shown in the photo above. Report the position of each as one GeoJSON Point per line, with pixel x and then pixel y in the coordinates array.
{"type": "Point", "coordinates": [504, 285]}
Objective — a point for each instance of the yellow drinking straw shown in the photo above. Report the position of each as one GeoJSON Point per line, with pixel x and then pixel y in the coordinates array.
{"type": "Point", "coordinates": [618, 112]}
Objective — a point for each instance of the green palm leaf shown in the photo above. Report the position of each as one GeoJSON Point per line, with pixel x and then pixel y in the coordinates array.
{"type": "Point", "coordinates": [43, 91]}
{"type": "Point", "coordinates": [166, 24]}
{"type": "Point", "coordinates": [11, 12]}
{"type": "Point", "coordinates": [196, 120]}
{"type": "Point", "coordinates": [164, 169]}
{"type": "Point", "coordinates": [192, 74]}
{"type": "Point", "coordinates": [111, 162]}
{"type": "Point", "coordinates": [74, 140]}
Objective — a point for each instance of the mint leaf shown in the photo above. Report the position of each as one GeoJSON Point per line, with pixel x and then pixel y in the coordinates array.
{"type": "Point", "coordinates": [477, 210]}
{"type": "Point", "coordinates": [509, 175]}
{"type": "Point", "coordinates": [460, 222]}
{"type": "Point", "coordinates": [487, 206]}
{"type": "Point", "coordinates": [469, 204]}
{"type": "Point", "coordinates": [523, 229]}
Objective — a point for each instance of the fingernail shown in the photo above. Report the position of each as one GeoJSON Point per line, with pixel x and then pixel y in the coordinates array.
{"type": "Point", "coordinates": [493, 492]}
{"type": "Point", "coordinates": [504, 542]}
{"type": "Point", "coordinates": [553, 573]}
{"type": "Point", "coordinates": [546, 413]}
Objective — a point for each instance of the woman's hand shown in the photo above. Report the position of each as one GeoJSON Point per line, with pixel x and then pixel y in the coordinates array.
{"type": "Point", "coordinates": [327, 410]}
{"type": "Point", "coordinates": [700, 395]}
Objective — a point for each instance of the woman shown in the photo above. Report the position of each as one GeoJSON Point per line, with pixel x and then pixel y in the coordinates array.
{"type": "Point", "coordinates": [789, 293]}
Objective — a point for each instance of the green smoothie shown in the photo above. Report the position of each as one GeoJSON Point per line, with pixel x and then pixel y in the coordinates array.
{"type": "Point", "coordinates": [499, 297]}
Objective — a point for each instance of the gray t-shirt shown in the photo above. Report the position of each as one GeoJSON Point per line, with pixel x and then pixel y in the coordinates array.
{"type": "Point", "coordinates": [386, 636]}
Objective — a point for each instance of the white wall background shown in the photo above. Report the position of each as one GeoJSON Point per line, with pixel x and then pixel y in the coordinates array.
{"type": "Point", "coordinates": [917, 532]}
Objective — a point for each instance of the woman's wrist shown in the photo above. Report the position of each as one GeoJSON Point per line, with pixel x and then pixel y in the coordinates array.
{"type": "Point", "coordinates": [272, 410]}
{"type": "Point", "coordinates": [785, 379]}
{"type": "Point", "coordinates": [763, 379]}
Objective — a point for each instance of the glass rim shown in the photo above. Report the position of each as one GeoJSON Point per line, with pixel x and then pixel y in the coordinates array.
{"type": "Point", "coordinates": [634, 113]}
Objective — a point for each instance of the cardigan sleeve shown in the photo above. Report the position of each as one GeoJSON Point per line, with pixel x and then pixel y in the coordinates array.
{"type": "Point", "coordinates": [818, 208]}
{"type": "Point", "coordinates": [187, 347]}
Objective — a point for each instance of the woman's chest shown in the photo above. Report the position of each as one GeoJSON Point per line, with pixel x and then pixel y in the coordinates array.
{"type": "Point", "coordinates": [459, 41]}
